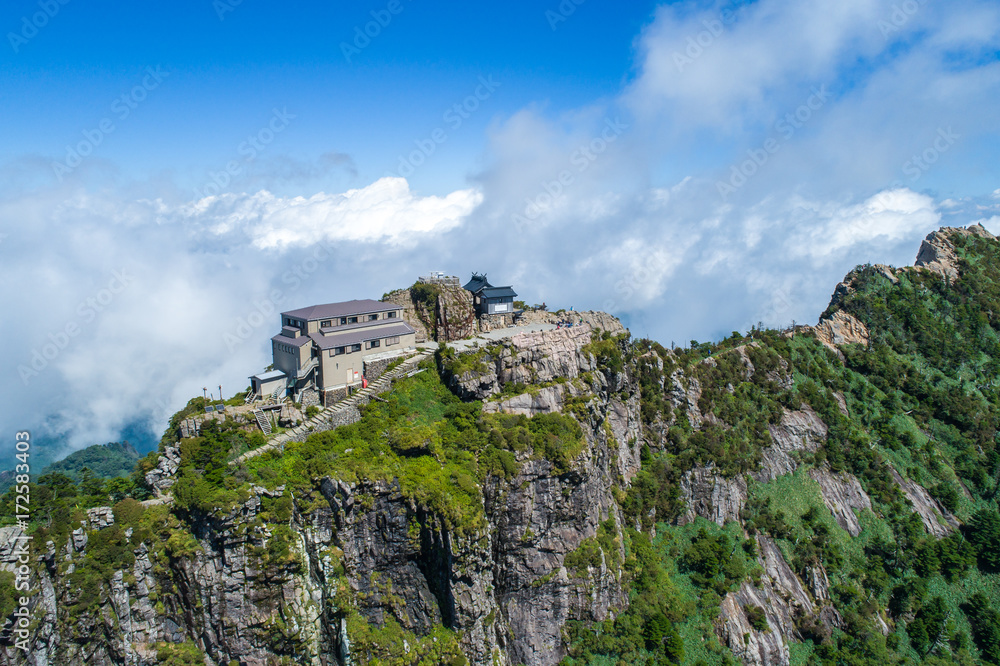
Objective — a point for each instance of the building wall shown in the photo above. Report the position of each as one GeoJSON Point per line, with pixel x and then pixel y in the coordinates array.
{"type": "Point", "coordinates": [500, 306]}
{"type": "Point", "coordinates": [290, 362]}
{"type": "Point", "coordinates": [268, 387]}
{"type": "Point", "coordinates": [332, 371]}
{"type": "Point", "coordinates": [335, 368]}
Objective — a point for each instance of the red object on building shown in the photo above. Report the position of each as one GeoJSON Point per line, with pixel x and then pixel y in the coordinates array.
{"type": "Point", "coordinates": [364, 382]}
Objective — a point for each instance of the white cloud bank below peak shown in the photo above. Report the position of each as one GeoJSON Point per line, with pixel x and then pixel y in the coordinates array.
{"type": "Point", "coordinates": [385, 211]}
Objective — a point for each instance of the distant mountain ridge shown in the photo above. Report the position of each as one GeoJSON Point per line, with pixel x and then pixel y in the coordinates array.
{"type": "Point", "coordinates": [104, 460]}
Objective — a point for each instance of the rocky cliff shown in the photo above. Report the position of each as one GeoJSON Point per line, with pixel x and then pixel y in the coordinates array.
{"type": "Point", "coordinates": [436, 312]}
{"type": "Point", "coordinates": [572, 497]}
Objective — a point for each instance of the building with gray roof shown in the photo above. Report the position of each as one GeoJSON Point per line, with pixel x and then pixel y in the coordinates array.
{"type": "Point", "coordinates": [325, 347]}
{"type": "Point", "coordinates": [488, 299]}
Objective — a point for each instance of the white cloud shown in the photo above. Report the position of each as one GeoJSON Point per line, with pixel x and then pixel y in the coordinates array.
{"type": "Point", "coordinates": [129, 303]}
{"type": "Point", "coordinates": [621, 195]}
{"type": "Point", "coordinates": [385, 211]}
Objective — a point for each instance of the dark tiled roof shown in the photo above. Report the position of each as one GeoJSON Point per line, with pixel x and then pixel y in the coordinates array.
{"type": "Point", "coordinates": [498, 292]}
{"type": "Point", "coordinates": [358, 335]}
{"type": "Point", "coordinates": [344, 309]}
{"type": "Point", "coordinates": [295, 342]}
{"type": "Point", "coordinates": [476, 283]}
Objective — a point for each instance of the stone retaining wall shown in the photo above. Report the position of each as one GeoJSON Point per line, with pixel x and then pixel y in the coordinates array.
{"type": "Point", "coordinates": [309, 397]}
{"type": "Point", "coordinates": [492, 322]}
{"type": "Point", "coordinates": [345, 417]}
{"type": "Point", "coordinates": [375, 368]}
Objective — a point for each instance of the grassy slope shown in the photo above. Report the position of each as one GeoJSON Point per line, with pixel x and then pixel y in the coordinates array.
{"type": "Point", "coordinates": [923, 398]}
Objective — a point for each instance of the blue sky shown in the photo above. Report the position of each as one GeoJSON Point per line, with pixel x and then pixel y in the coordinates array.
{"type": "Point", "coordinates": [225, 75]}
{"type": "Point", "coordinates": [168, 174]}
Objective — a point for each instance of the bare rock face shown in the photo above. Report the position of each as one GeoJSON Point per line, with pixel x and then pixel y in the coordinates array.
{"type": "Point", "coordinates": [537, 523]}
{"type": "Point", "coordinates": [414, 313]}
{"type": "Point", "coordinates": [686, 396]}
{"type": "Point", "coordinates": [100, 517]}
{"type": "Point", "coordinates": [783, 599]}
{"type": "Point", "coordinates": [542, 401]}
{"type": "Point", "coordinates": [800, 430]}
{"type": "Point", "coordinates": [937, 252]}
{"type": "Point", "coordinates": [528, 358]}
{"type": "Point", "coordinates": [938, 521]}
{"type": "Point", "coordinates": [543, 356]}
{"type": "Point", "coordinates": [161, 477]}
{"type": "Point", "coordinates": [711, 496]}
{"type": "Point", "coordinates": [841, 329]}
{"type": "Point", "coordinates": [456, 315]}
{"type": "Point", "coordinates": [597, 320]}
{"type": "Point", "coordinates": [448, 315]}
{"type": "Point", "coordinates": [403, 562]}
{"type": "Point", "coordinates": [218, 593]}
{"type": "Point", "coordinates": [843, 495]}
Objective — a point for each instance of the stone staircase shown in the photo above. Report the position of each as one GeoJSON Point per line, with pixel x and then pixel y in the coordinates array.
{"type": "Point", "coordinates": [262, 421]}
{"type": "Point", "coordinates": [316, 424]}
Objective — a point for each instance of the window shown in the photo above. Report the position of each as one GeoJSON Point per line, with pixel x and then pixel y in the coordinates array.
{"type": "Point", "coordinates": [391, 314]}
{"type": "Point", "coordinates": [356, 348]}
{"type": "Point", "coordinates": [372, 343]}
{"type": "Point", "coordinates": [326, 323]}
{"type": "Point", "coordinates": [339, 350]}
{"type": "Point", "coordinates": [352, 320]}
{"type": "Point", "coordinates": [343, 320]}
{"type": "Point", "coordinates": [372, 317]}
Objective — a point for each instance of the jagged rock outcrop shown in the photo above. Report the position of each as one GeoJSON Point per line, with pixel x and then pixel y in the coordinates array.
{"type": "Point", "coordinates": [100, 517]}
{"type": "Point", "coordinates": [437, 312]}
{"type": "Point", "coordinates": [597, 320]}
{"type": "Point", "coordinates": [784, 601]}
{"type": "Point", "coordinates": [799, 431]}
{"type": "Point", "coordinates": [161, 477]}
{"type": "Point", "coordinates": [712, 496]}
{"type": "Point", "coordinates": [841, 329]}
{"type": "Point", "coordinates": [843, 495]}
{"type": "Point", "coordinates": [527, 358]}
{"type": "Point", "coordinates": [542, 401]}
{"type": "Point", "coordinates": [937, 520]}
{"type": "Point", "coordinates": [937, 252]}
